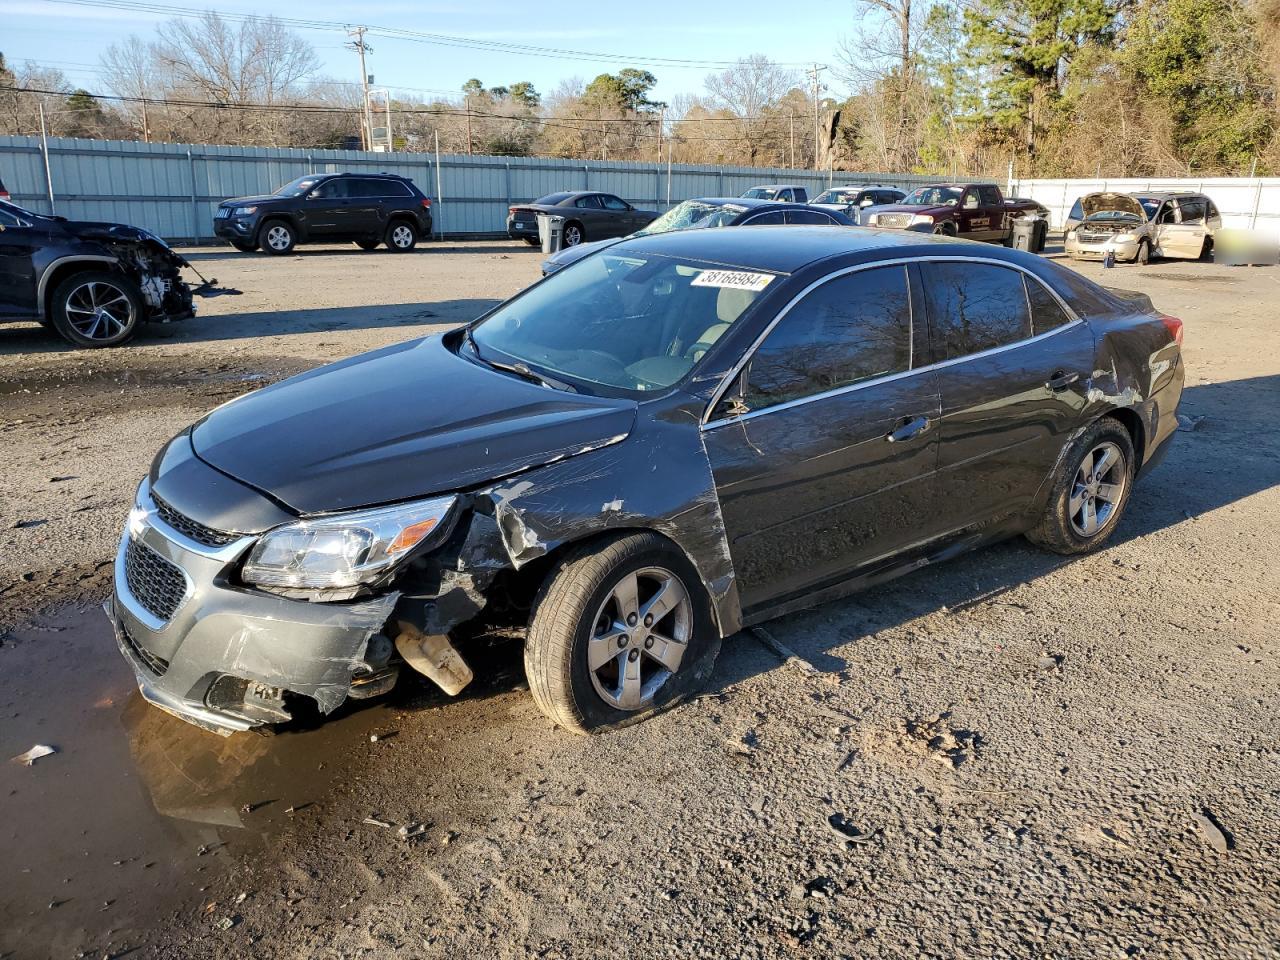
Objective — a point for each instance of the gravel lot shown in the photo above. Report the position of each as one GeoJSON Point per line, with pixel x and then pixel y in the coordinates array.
{"type": "Point", "coordinates": [1010, 755]}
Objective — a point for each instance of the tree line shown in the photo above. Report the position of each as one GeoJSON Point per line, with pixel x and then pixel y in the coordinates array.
{"type": "Point", "coordinates": [949, 87]}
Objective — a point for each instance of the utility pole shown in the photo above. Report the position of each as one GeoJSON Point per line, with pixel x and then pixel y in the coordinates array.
{"type": "Point", "coordinates": [792, 116]}
{"type": "Point", "coordinates": [361, 47]}
{"type": "Point", "coordinates": [467, 98]}
{"type": "Point", "coordinates": [813, 76]}
{"type": "Point", "coordinates": [146, 124]}
{"type": "Point", "coordinates": [662, 119]}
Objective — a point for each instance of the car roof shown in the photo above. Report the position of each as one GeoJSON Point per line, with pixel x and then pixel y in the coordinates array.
{"type": "Point", "coordinates": [778, 186]}
{"type": "Point", "coordinates": [786, 249]}
{"type": "Point", "coordinates": [1166, 194]}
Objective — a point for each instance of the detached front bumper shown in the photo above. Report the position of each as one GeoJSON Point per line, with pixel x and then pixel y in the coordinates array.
{"type": "Point", "coordinates": [219, 655]}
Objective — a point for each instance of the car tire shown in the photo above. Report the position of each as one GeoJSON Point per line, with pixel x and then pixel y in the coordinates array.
{"type": "Point", "coordinates": [367, 244]}
{"type": "Point", "coordinates": [579, 619]}
{"type": "Point", "coordinates": [401, 236]}
{"type": "Point", "coordinates": [573, 234]}
{"type": "Point", "coordinates": [533, 241]}
{"type": "Point", "coordinates": [1143, 254]}
{"type": "Point", "coordinates": [277, 237]}
{"type": "Point", "coordinates": [945, 229]}
{"type": "Point", "coordinates": [97, 308]}
{"type": "Point", "coordinates": [1072, 522]}
{"type": "Point", "coordinates": [244, 246]}
{"type": "Point", "coordinates": [1206, 249]}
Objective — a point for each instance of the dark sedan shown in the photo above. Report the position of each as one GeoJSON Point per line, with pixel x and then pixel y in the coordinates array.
{"type": "Point", "coordinates": [632, 460]}
{"type": "Point", "coordinates": [588, 215]}
{"type": "Point", "coordinates": [707, 212]}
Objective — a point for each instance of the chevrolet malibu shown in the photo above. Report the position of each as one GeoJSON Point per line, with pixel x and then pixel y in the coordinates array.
{"type": "Point", "coordinates": [630, 461]}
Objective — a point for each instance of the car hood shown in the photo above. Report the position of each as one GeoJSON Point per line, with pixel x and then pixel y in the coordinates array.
{"type": "Point", "coordinates": [1098, 202]}
{"type": "Point", "coordinates": [407, 421]}
{"type": "Point", "coordinates": [244, 201]}
{"type": "Point", "coordinates": [567, 255]}
{"type": "Point", "coordinates": [932, 210]}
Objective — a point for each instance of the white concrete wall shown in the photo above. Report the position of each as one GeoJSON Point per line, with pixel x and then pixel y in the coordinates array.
{"type": "Point", "coordinates": [1244, 202]}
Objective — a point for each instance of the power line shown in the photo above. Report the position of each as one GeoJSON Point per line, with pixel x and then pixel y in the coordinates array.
{"type": "Point", "coordinates": [420, 36]}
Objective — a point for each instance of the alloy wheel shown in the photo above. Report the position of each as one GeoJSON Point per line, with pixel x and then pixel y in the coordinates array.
{"type": "Point", "coordinates": [98, 310]}
{"type": "Point", "coordinates": [639, 637]}
{"type": "Point", "coordinates": [1098, 489]}
{"type": "Point", "coordinates": [279, 238]}
{"type": "Point", "coordinates": [402, 236]}
{"type": "Point", "coordinates": [572, 236]}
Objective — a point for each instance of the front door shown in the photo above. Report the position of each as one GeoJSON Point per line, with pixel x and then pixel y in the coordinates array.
{"type": "Point", "coordinates": [326, 210]}
{"type": "Point", "coordinates": [19, 238]}
{"type": "Point", "coordinates": [1013, 375]}
{"type": "Point", "coordinates": [824, 453]}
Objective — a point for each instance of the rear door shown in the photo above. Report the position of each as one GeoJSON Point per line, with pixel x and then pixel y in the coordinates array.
{"type": "Point", "coordinates": [1013, 370]}
{"type": "Point", "coordinates": [826, 462]}
{"type": "Point", "coordinates": [19, 238]}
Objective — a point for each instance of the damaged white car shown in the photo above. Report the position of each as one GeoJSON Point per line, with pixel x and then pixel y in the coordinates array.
{"type": "Point", "coordinates": [1134, 227]}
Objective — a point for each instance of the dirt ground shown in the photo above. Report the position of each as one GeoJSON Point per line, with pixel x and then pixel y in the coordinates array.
{"type": "Point", "coordinates": [1012, 755]}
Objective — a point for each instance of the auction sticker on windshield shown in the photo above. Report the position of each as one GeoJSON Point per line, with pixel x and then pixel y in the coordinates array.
{"type": "Point", "coordinates": [737, 279]}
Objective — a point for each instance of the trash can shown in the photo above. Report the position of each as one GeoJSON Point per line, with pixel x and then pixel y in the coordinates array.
{"type": "Point", "coordinates": [1025, 234]}
{"type": "Point", "coordinates": [550, 232]}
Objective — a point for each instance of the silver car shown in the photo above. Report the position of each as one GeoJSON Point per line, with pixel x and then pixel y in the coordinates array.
{"type": "Point", "coordinates": [1135, 227]}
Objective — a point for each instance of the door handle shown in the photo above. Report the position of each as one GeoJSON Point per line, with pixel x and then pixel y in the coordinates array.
{"type": "Point", "coordinates": [908, 428]}
{"type": "Point", "coordinates": [1061, 380]}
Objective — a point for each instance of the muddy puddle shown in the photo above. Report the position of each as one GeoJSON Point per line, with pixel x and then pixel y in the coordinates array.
{"type": "Point", "coordinates": [137, 811]}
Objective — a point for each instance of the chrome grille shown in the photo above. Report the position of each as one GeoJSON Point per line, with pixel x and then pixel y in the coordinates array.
{"type": "Point", "coordinates": [895, 221]}
{"type": "Point", "coordinates": [223, 213]}
{"type": "Point", "coordinates": [192, 528]}
{"type": "Point", "coordinates": [157, 584]}
{"type": "Point", "coordinates": [157, 665]}
{"type": "Point", "coordinates": [1084, 237]}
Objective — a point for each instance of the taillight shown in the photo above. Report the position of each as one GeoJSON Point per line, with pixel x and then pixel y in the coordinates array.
{"type": "Point", "coordinates": [512, 209]}
{"type": "Point", "coordinates": [1174, 326]}
{"type": "Point", "coordinates": [426, 202]}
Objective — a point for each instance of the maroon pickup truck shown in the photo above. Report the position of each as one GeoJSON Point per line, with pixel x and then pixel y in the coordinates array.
{"type": "Point", "coordinates": [975, 211]}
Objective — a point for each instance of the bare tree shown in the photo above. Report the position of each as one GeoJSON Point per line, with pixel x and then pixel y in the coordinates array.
{"type": "Point", "coordinates": [746, 91]}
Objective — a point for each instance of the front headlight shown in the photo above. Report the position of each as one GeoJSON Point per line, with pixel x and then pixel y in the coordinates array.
{"type": "Point", "coordinates": [1071, 234]}
{"type": "Point", "coordinates": [921, 218]}
{"type": "Point", "coordinates": [345, 550]}
{"type": "Point", "coordinates": [244, 211]}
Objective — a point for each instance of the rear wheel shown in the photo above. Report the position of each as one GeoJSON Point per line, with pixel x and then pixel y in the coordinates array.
{"type": "Point", "coordinates": [620, 630]}
{"type": "Point", "coordinates": [278, 238]}
{"type": "Point", "coordinates": [1091, 492]}
{"type": "Point", "coordinates": [401, 237]}
{"type": "Point", "coordinates": [97, 309]}
{"type": "Point", "coordinates": [533, 241]}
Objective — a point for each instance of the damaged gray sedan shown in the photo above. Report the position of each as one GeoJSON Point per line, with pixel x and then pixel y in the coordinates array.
{"type": "Point", "coordinates": [638, 456]}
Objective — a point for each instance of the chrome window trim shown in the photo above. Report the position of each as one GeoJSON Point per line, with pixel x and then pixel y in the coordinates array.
{"type": "Point", "coordinates": [727, 380]}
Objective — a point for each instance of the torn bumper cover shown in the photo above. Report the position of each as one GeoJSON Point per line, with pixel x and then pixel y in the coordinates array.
{"type": "Point", "coordinates": [219, 655]}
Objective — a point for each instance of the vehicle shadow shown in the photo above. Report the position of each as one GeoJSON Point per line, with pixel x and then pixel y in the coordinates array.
{"type": "Point", "coordinates": [30, 338]}
{"type": "Point", "coordinates": [1232, 454]}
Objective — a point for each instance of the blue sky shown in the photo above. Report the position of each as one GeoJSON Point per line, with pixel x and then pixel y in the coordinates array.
{"type": "Point", "coordinates": [71, 37]}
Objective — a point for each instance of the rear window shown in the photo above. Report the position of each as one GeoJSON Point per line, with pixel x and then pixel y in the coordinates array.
{"type": "Point", "coordinates": [553, 199]}
{"type": "Point", "coordinates": [974, 307]}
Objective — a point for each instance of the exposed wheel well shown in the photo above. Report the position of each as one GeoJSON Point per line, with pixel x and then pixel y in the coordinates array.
{"type": "Point", "coordinates": [1137, 431]}
{"type": "Point", "coordinates": [274, 218]}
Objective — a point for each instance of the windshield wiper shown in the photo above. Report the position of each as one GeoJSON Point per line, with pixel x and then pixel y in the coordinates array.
{"type": "Point", "coordinates": [519, 368]}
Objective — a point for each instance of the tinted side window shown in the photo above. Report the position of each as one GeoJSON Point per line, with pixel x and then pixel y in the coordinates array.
{"type": "Point", "coordinates": [1193, 211]}
{"type": "Point", "coordinates": [382, 188]}
{"type": "Point", "coordinates": [990, 196]}
{"type": "Point", "coordinates": [333, 189]}
{"type": "Point", "coordinates": [591, 201]}
{"type": "Point", "coordinates": [974, 307]}
{"type": "Point", "coordinates": [852, 328]}
{"type": "Point", "coordinates": [1046, 312]}
{"type": "Point", "coordinates": [765, 218]}
{"type": "Point", "coordinates": [809, 216]}
{"type": "Point", "coordinates": [613, 203]}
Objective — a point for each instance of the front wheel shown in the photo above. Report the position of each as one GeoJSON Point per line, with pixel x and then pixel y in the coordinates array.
{"type": "Point", "coordinates": [1091, 491]}
{"type": "Point", "coordinates": [278, 238]}
{"type": "Point", "coordinates": [1143, 256]}
{"type": "Point", "coordinates": [244, 246]}
{"type": "Point", "coordinates": [621, 630]}
{"type": "Point", "coordinates": [97, 308]}
{"type": "Point", "coordinates": [401, 237]}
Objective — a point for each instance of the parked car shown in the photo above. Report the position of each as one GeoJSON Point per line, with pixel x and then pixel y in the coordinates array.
{"type": "Point", "coordinates": [1138, 226]}
{"type": "Point", "coordinates": [972, 211]}
{"type": "Point", "coordinates": [588, 215]}
{"type": "Point", "coordinates": [709, 212]}
{"type": "Point", "coordinates": [782, 192]}
{"type": "Point", "coordinates": [368, 209]}
{"type": "Point", "coordinates": [851, 200]}
{"type": "Point", "coordinates": [632, 460]}
{"type": "Point", "coordinates": [93, 283]}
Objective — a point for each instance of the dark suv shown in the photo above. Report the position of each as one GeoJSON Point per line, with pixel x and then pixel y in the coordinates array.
{"type": "Point", "coordinates": [323, 208]}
